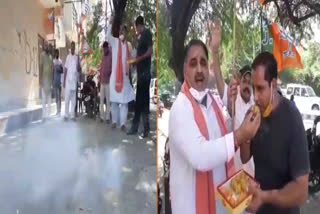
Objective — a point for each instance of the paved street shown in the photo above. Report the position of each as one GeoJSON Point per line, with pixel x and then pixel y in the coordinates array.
{"type": "Point", "coordinates": [77, 167]}
{"type": "Point", "coordinates": [311, 207]}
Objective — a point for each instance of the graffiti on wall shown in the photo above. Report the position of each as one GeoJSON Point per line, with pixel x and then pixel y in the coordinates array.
{"type": "Point", "coordinates": [26, 52]}
{"type": "Point", "coordinates": [30, 53]}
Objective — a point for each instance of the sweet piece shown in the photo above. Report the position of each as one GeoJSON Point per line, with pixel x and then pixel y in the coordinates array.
{"type": "Point", "coordinates": [255, 109]}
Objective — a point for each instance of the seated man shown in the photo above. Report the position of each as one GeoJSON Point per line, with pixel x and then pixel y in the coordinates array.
{"type": "Point", "coordinates": [89, 93]}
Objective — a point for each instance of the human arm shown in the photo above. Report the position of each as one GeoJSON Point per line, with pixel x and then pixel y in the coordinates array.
{"type": "Point", "coordinates": [294, 194]}
{"type": "Point", "coordinates": [204, 154]}
{"type": "Point", "coordinates": [214, 45]}
{"type": "Point", "coordinates": [109, 37]}
{"type": "Point", "coordinates": [201, 154]}
{"type": "Point", "coordinates": [149, 52]}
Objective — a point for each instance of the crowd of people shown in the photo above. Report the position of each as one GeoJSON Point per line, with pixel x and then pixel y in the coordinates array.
{"type": "Point", "coordinates": [207, 146]}
{"type": "Point", "coordinates": [114, 89]}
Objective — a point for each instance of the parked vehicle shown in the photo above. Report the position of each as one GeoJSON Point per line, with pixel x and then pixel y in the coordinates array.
{"type": "Point", "coordinates": [314, 155]}
{"type": "Point", "coordinates": [153, 90]}
{"type": "Point", "coordinates": [167, 99]}
{"type": "Point", "coordinates": [304, 97]}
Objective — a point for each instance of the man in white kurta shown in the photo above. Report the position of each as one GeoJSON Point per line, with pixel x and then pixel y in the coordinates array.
{"type": "Point", "coordinates": [244, 101]}
{"type": "Point", "coordinates": [190, 151]}
{"type": "Point", "coordinates": [72, 66]}
{"type": "Point", "coordinates": [244, 98]}
{"type": "Point", "coordinates": [119, 100]}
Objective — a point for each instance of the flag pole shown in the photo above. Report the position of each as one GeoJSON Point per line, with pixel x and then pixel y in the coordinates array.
{"type": "Point", "coordinates": [261, 28]}
{"type": "Point", "coordinates": [233, 60]}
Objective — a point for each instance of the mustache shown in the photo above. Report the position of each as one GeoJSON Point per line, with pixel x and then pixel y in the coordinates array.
{"type": "Point", "coordinates": [199, 76]}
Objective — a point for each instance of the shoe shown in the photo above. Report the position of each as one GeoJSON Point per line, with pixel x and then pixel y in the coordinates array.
{"type": "Point", "coordinates": [58, 114]}
{"type": "Point", "coordinates": [73, 119]}
{"type": "Point", "coordinates": [107, 121]}
{"type": "Point", "coordinates": [145, 135]}
{"type": "Point", "coordinates": [65, 119]}
{"type": "Point", "coordinates": [114, 125]}
{"type": "Point", "coordinates": [132, 132]}
{"type": "Point", "coordinates": [101, 120]}
{"type": "Point", "coordinates": [123, 128]}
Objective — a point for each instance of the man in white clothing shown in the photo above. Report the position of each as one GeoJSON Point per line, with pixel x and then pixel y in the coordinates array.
{"type": "Point", "coordinates": [244, 98]}
{"type": "Point", "coordinates": [201, 143]}
{"type": "Point", "coordinates": [70, 80]}
{"type": "Point", "coordinates": [121, 91]}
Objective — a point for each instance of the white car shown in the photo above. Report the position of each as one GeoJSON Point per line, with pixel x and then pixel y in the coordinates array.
{"type": "Point", "coordinates": [153, 90]}
{"type": "Point", "coordinates": [304, 97]}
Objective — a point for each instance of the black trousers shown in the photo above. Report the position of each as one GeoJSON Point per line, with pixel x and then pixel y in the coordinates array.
{"type": "Point", "coordinates": [142, 105]}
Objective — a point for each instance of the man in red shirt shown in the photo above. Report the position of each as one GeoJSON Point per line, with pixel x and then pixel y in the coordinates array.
{"type": "Point", "coordinates": [105, 73]}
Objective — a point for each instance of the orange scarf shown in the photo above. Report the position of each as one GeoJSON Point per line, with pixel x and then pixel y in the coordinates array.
{"type": "Point", "coordinates": [119, 71]}
{"type": "Point", "coordinates": [205, 193]}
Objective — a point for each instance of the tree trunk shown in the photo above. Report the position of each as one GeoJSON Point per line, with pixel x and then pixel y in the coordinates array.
{"type": "Point", "coordinates": [119, 8]}
{"type": "Point", "coordinates": [181, 14]}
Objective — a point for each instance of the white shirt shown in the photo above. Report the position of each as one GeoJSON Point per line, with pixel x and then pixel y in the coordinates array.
{"type": "Point", "coordinates": [72, 73]}
{"type": "Point", "coordinates": [189, 151]}
{"type": "Point", "coordinates": [241, 109]}
{"type": "Point", "coordinates": [127, 93]}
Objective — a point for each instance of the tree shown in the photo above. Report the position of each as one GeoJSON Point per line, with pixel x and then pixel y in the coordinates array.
{"type": "Point", "coordinates": [181, 12]}
{"type": "Point", "coordinates": [188, 20]}
{"type": "Point", "coordinates": [119, 7]}
{"type": "Point", "coordinates": [92, 36]}
{"type": "Point", "coordinates": [295, 15]}
{"type": "Point", "coordinates": [127, 11]}
{"type": "Point", "coordinates": [124, 12]}
{"type": "Point", "coordinates": [165, 75]}
{"type": "Point", "coordinates": [147, 9]}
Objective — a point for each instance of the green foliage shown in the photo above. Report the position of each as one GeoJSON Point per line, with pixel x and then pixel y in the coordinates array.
{"type": "Point", "coordinates": [147, 9]}
{"type": "Point", "coordinates": [133, 9]}
{"type": "Point", "coordinates": [166, 76]}
{"type": "Point", "coordinates": [247, 41]}
{"type": "Point", "coordinates": [92, 36]}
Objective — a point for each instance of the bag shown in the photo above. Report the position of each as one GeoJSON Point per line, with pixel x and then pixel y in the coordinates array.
{"type": "Point", "coordinates": [59, 69]}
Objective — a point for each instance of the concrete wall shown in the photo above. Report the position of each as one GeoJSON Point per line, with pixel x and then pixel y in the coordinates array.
{"type": "Point", "coordinates": [20, 24]}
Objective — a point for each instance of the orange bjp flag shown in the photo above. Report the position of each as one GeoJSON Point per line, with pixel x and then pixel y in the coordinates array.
{"type": "Point", "coordinates": [284, 51]}
{"type": "Point", "coordinates": [280, 43]}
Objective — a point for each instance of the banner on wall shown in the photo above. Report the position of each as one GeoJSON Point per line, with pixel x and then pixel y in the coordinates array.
{"type": "Point", "coordinates": [59, 33]}
{"type": "Point", "coordinates": [48, 19]}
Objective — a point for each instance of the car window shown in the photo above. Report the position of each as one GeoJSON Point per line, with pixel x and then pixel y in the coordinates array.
{"type": "Point", "coordinates": [289, 91]}
{"type": "Point", "coordinates": [304, 92]}
{"type": "Point", "coordinates": [311, 92]}
{"type": "Point", "coordinates": [296, 92]}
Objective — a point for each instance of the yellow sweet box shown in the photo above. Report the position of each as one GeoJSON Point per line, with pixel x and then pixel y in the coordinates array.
{"type": "Point", "coordinates": [233, 193]}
